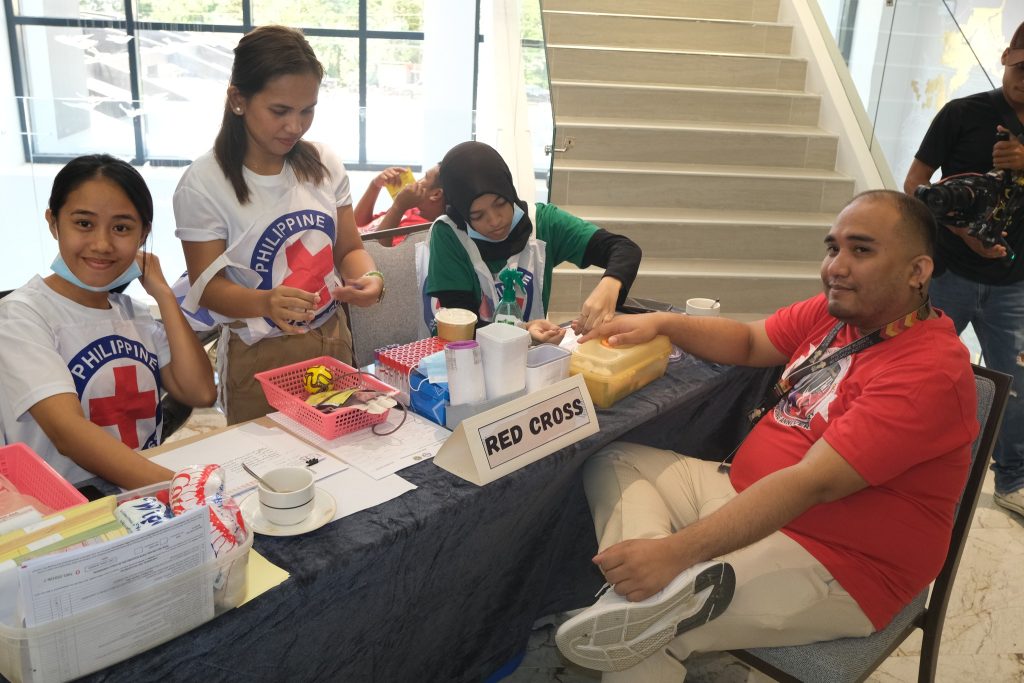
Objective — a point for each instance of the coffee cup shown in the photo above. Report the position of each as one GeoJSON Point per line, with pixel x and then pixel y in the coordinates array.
{"type": "Point", "coordinates": [291, 501]}
{"type": "Point", "coordinates": [699, 306]}
{"type": "Point", "coordinates": [455, 324]}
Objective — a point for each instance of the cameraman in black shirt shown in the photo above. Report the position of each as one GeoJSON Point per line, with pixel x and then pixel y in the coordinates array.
{"type": "Point", "coordinates": [981, 285]}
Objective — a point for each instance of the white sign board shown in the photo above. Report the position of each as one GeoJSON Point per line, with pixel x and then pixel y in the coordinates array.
{"type": "Point", "coordinates": [489, 445]}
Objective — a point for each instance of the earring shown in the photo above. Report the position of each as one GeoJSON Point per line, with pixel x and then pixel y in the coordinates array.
{"type": "Point", "coordinates": [238, 110]}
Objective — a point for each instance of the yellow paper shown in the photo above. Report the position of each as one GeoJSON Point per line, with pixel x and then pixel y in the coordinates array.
{"type": "Point", "coordinates": [406, 178]}
{"type": "Point", "coordinates": [261, 576]}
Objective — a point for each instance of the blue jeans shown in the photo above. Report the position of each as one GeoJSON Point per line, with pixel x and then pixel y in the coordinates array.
{"type": "Point", "coordinates": [997, 315]}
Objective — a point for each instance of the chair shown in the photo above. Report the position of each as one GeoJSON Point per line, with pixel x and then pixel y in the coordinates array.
{"type": "Point", "coordinates": [396, 319]}
{"type": "Point", "coordinates": [853, 659]}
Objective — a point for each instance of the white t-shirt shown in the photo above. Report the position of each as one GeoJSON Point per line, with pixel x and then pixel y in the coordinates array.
{"type": "Point", "coordinates": [205, 206]}
{"type": "Point", "coordinates": [110, 359]}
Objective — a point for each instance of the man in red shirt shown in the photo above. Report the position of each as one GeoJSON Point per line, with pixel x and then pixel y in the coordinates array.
{"type": "Point", "coordinates": [853, 470]}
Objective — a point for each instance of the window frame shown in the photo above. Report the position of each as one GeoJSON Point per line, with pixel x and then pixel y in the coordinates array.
{"type": "Point", "coordinates": [131, 26]}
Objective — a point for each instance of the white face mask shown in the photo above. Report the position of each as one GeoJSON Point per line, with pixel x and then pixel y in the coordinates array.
{"type": "Point", "coordinates": [517, 215]}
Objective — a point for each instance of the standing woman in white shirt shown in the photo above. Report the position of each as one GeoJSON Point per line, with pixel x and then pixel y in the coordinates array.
{"type": "Point", "coordinates": [81, 365]}
{"type": "Point", "coordinates": [266, 223]}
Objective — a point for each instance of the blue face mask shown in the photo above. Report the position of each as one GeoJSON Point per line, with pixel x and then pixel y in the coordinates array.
{"type": "Point", "coordinates": [517, 215]}
{"type": "Point", "coordinates": [61, 269]}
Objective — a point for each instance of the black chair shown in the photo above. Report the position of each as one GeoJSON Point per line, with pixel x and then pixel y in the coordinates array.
{"type": "Point", "coordinates": [851, 660]}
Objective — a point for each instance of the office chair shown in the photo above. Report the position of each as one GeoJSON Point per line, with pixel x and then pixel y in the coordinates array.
{"type": "Point", "coordinates": [396, 319]}
{"type": "Point", "coordinates": [851, 660]}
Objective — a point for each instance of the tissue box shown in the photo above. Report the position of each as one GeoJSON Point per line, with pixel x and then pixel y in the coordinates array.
{"type": "Point", "coordinates": [426, 399]}
{"type": "Point", "coordinates": [614, 372]}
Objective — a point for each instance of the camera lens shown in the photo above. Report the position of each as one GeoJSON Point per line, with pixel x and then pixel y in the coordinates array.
{"type": "Point", "coordinates": [942, 199]}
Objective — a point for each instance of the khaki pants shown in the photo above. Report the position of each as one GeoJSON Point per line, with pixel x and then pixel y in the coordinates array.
{"type": "Point", "coordinates": [783, 595]}
{"type": "Point", "coordinates": [243, 396]}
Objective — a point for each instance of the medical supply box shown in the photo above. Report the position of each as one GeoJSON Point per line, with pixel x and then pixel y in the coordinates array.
{"type": "Point", "coordinates": [613, 372]}
{"type": "Point", "coordinates": [81, 643]}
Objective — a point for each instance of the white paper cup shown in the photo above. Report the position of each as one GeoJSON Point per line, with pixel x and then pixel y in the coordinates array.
{"type": "Point", "coordinates": [700, 306]}
{"type": "Point", "coordinates": [293, 501]}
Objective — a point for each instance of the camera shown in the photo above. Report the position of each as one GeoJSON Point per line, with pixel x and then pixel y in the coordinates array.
{"type": "Point", "coordinates": [984, 203]}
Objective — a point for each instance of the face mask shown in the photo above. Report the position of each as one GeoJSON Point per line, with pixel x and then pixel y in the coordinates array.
{"type": "Point", "coordinates": [61, 269]}
{"type": "Point", "coordinates": [434, 367]}
{"type": "Point", "coordinates": [517, 215]}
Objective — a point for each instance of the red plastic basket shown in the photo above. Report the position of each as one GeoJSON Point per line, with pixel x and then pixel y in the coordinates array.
{"type": "Point", "coordinates": [33, 476]}
{"type": "Point", "coordinates": [285, 390]}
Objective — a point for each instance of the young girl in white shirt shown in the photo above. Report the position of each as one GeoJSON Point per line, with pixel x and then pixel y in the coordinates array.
{"type": "Point", "coordinates": [81, 365]}
{"type": "Point", "coordinates": [266, 223]}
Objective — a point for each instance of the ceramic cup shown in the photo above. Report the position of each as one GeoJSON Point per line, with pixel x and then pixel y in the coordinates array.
{"type": "Point", "coordinates": [455, 324]}
{"type": "Point", "coordinates": [293, 501]}
{"type": "Point", "coordinates": [703, 307]}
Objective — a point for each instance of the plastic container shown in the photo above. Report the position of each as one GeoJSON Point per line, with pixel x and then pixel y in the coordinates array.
{"type": "Point", "coordinates": [36, 655]}
{"type": "Point", "coordinates": [504, 350]}
{"type": "Point", "coordinates": [33, 476]}
{"type": "Point", "coordinates": [394, 363]}
{"type": "Point", "coordinates": [545, 365]}
{"type": "Point", "coordinates": [612, 373]}
{"type": "Point", "coordinates": [286, 391]}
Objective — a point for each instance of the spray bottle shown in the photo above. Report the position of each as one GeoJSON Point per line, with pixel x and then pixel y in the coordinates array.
{"type": "Point", "coordinates": [508, 310]}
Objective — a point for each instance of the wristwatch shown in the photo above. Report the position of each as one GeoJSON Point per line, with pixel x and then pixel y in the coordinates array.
{"type": "Point", "coordinates": [383, 289]}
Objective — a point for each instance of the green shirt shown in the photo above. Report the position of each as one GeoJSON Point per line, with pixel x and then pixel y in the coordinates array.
{"type": "Point", "coordinates": [565, 237]}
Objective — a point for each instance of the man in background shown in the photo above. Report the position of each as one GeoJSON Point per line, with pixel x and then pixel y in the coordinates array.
{"type": "Point", "coordinates": [983, 285]}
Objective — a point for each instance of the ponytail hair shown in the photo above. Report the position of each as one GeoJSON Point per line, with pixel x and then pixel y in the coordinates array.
{"type": "Point", "coordinates": [262, 55]}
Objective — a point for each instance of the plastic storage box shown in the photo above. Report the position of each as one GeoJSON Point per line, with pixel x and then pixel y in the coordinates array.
{"type": "Point", "coordinates": [545, 365]}
{"type": "Point", "coordinates": [285, 390]}
{"type": "Point", "coordinates": [33, 476]}
{"type": "Point", "coordinates": [41, 654]}
{"type": "Point", "coordinates": [612, 373]}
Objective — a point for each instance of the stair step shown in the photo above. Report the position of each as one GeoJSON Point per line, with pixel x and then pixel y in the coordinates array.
{"type": "Point", "coordinates": [682, 103]}
{"type": "Point", "coordinates": [654, 31]}
{"type": "Point", "coordinates": [700, 186]}
{"type": "Point", "coordinates": [741, 286]}
{"type": "Point", "coordinates": [756, 10]}
{"type": "Point", "coordinates": [670, 141]}
{"type": "Point", "coordinates": [676, 67]}
{"type": "Point", "coordinates": [714, 234]}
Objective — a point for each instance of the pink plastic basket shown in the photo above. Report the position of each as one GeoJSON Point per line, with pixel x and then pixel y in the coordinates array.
{"type": "Point", "coordinates": [33, 476]}
{"type": "Point", "coordinates": [285, 390]}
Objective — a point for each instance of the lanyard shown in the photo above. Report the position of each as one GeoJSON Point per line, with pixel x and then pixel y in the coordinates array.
{"type": "Point", "coordinates": [818, 361]}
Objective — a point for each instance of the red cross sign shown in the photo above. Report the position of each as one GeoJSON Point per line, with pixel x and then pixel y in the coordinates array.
{"type": "Point", "coordinates": [125, 407]}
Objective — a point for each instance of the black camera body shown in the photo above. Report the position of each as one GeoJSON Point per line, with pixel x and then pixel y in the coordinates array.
{"type": "Point", "coordinates": [984, 203]}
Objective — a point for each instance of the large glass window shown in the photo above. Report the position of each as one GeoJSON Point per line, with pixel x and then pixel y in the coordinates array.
{"type": "Point", "coordinates": [149, 84]}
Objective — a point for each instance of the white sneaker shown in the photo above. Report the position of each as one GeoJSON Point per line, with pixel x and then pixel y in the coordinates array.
{"type": "Point", "coordinates": [1011, 501]}
{"type": "Point", "coordinates": [614, 634]}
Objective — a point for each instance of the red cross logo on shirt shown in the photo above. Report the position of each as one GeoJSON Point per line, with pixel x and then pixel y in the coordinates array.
{"type": "Point", "coordinates": [125, 407]}
{"type": "Point", "coordinates": [308, 270]}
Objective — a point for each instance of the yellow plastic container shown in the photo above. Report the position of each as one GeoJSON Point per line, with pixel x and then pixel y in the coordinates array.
{"type": "Point", "coordinates": [613, 372]}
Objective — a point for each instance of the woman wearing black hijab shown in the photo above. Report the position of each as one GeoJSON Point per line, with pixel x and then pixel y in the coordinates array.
{"type": "Point", "coordinates": [488, 228]}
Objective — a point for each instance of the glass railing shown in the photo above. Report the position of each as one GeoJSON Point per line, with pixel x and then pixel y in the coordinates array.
{"type": "Point", "coordinates": [908, 58]}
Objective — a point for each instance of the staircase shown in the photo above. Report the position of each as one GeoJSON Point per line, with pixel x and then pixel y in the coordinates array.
{"type": "Point", "coordinates": [688, 129]}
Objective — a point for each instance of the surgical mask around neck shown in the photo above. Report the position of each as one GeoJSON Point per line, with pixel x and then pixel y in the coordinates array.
{"type": "Point", "coordinates": [517, 215]}
{"type": "Point", "coordinates": [61, 269]}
